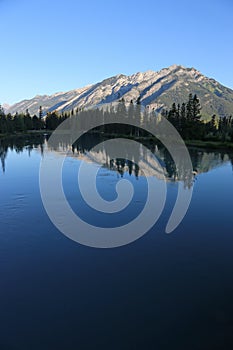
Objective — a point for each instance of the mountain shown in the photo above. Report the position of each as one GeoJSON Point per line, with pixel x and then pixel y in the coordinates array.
{"type": "Point", "coordinates": [157, 90]}
{"type": "Point", "coordinates": [5, 106]}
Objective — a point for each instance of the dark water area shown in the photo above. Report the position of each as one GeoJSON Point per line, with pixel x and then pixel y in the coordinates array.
{"type": "Point", "coordinates": [163, 291]}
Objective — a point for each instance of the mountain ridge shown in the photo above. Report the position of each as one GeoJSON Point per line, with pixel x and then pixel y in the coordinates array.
{"type": "Point", "coordinates": [157, 90]}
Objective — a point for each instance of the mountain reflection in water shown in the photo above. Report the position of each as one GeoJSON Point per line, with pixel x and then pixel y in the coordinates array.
{"type": "Point", "coordinates": [202, 160]}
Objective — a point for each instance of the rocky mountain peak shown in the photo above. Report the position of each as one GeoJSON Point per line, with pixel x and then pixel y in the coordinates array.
{"type": "Point", "coordinates": [157, 90]}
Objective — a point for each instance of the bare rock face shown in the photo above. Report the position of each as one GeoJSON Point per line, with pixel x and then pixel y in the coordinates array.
{"type": "Point", "coordinates": [156, 90]}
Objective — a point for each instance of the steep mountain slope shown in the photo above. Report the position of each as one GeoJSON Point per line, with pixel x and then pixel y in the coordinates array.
{"type": "Point", "coordinates": [156, 89]}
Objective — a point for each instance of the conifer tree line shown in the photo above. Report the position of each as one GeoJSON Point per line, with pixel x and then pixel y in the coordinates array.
{"type": "Point", "coordinates": [186, 118]}
{"type": "Point", "coordinates": [188, 121]}
{"type": "Point", "coordinates": [23, 122]}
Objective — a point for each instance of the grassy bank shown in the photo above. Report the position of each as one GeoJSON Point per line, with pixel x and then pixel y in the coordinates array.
{"type": "Point", "coordinates": [25, 133]}
{"type": "Point", "coordinates": [217, 145]}
{"type": "Point", "coordinates": [210, 144]}
{"type": "Point", "coordinates": [192, 143]}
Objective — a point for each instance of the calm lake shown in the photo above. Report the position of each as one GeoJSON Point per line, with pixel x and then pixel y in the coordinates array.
{"type": "Point", "coordinates": [160, 292]}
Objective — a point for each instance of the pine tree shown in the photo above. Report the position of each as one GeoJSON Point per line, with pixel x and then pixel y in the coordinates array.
{"type": "Point", "coordinates": [183, 111]}
{"type": "Point", "coordinates": [196, 109]}
{"type": "Point", "coordinates": [138, 117]}
{"type": "Point", "coordinates": [213, 123]}
{"type": "Point", "coordinates": [40, 112]}
{"type": "Point", "coordinates": [3, 124]}
{"type": "Point", "coordinates": [131, 117]}
{"type": "Point", "coordinates": [189, 108]}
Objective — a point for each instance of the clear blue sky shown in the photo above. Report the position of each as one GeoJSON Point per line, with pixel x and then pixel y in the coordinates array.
{"type": "Point", "coordinates": [49, 46]}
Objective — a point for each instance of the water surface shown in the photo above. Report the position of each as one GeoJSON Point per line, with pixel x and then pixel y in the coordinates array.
{"type": "Point", "coordinates": [160, 292]}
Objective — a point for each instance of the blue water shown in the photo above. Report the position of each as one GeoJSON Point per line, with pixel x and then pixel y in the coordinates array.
{"type": "Point", "coordinates": [159, 292]}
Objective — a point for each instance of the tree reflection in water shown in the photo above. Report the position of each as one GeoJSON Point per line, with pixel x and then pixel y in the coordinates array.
{"type": "Point", "coordinates": [202, 160]}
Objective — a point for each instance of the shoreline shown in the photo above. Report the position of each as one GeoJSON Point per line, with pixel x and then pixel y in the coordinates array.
{"type": "Point", "coordinates": [213, 145]}
{"type": "Point", "coordinates": [26, 133]}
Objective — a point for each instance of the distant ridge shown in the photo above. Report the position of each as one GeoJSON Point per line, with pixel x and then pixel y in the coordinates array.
{"type": "Point", "coordinates": [157, 90]}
